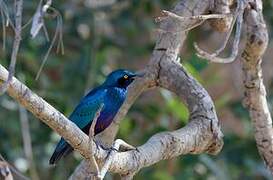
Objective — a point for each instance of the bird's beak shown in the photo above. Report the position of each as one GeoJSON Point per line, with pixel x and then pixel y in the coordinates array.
{"type": "Point", "coordinates": [137, 75]}
{"type": "Point", "coordinates": [140, 74]}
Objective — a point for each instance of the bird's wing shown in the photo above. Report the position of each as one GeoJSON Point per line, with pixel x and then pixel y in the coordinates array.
{"type": "Point", "coordinates": [85, 112]}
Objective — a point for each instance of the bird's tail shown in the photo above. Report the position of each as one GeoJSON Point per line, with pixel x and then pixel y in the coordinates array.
{"type": "Point", "coordinates": [62, 149]}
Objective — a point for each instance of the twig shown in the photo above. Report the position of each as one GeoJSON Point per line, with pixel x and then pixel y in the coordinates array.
{"type": "Point", "coordinates": [27, 142]}
{"type": "Point", "coordinates": [93, 166]}
{"type": "Point", "coordinates": [46, 32]}
{"type": "Point", "coordinates": [255, 92]}
{"type": "Point", "coordinates": [234, 52]}
{"type": "Point", "coordinates": [166, 14]}
{"type": "Point", "coordinates": [3, 28]}
{"type": "Point", "coordinates": [60, 45]}
{"type": "Point", "coordinates": [16, 43]}
{"type": "Point", "coordinates": [5, 10]}
{"type": "Point", "coordinates": [181, 20]}
{"type": "Point", "coordinates": [218, 51]}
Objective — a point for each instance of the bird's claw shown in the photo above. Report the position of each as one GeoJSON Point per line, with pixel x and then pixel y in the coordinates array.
{"type": "Point", "coordinates": [120, 145]}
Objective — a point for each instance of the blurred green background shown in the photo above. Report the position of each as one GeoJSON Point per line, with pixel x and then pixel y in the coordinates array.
{"type": "Point", "coordinates": [123, 35]}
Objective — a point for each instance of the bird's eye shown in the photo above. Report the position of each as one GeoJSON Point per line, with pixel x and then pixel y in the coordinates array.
{"type": "Point", "coordinates": [125, 77]}
{"type": "Point", "coordinates": [123, 80]}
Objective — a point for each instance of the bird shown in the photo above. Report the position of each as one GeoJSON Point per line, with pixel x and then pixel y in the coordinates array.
{"type": "Point", "coordinates": [108, 98]}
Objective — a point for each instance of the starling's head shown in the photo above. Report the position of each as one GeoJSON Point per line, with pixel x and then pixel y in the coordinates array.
{"type": "Point", "coordinates": [120, 78]}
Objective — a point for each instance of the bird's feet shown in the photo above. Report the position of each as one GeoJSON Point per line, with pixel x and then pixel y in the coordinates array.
{"type": "Point", "coordinates": [118, 145]}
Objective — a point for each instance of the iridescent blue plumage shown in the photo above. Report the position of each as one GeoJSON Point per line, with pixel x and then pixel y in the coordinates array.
{"type": "Point", "coordinates": [110, 95]}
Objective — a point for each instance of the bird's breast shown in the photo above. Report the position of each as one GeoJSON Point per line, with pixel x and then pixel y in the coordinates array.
{"type": "Point", "coordinates": [116, 96]}
{"type": "Point", "coordinates": [112, 102]}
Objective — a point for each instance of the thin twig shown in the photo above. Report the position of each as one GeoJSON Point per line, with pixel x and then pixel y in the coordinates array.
{"type": "Point", "coordinates": [197, 20]}
{"type": "Point", "coordinates": [166, 14]}
{"type": "Point", "coordinates": [16, 43]}
{"type": "Point", "coordinates": [27, 23]}
{"type": "Point", "coordinates": [27, 142]}
{"type": "Point", "coordinates": [58, 32]}
{"type": "Point", "coordinates": [4, 7]}
{"type": "Point", "coordinates": [3, 28]}
{"type": "Point", "coordinates": [93, 166]}
{"type": "Point", "coordinates": [223, 46]}
{"type": "Point", "coordinates": [234, 52]}
{"type": "Point", "coordinates": [46, 32]}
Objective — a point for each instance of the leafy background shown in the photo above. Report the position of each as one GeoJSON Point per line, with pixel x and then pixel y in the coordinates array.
{"type": "Point", "coordinates": [123, 35]}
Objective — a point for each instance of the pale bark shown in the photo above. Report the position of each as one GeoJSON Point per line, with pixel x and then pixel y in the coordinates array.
{"type": "Point", "coordinates": [255, 93]}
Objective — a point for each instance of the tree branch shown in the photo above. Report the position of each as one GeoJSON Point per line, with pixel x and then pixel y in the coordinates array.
{"type": "Point", "coordinates": [255, 93]}
{"type": "Point", "coordinates": [27, 143]}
